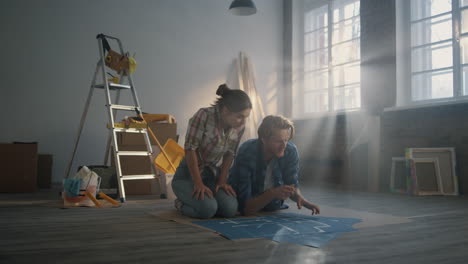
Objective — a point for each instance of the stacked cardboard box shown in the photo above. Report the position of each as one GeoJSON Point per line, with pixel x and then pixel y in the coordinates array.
{"type": "Point", "coordinates": [18, 167]}
{"type": "Point", "coordinates": [141, 165]}
{"type": "Point", "coordinates": [22, 169]}
{"type": "Point", "coordinates": [44, 171]}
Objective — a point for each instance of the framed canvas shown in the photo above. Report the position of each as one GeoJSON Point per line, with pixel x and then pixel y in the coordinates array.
{"type": "Point", "coordinates": [425, 176]}
{"type": "Point", "coordinates": [447, 166]}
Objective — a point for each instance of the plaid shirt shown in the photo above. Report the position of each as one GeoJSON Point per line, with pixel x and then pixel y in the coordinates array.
{"type": "Point", "coordinates": [206, 136]}
{"type": "Point", "coordinates": [247, 175]}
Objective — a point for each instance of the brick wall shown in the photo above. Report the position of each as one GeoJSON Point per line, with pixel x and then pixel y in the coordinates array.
{"type": "Point", "coordinates": [431, 127]}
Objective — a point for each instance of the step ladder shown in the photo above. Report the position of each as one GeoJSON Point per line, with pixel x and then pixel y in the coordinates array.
{"type": "Point", "coordinates": [112, 109]}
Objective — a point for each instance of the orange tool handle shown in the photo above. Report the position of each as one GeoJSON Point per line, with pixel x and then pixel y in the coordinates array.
{"type": "Point", "coordinates": [95, 201]}
{"type": "Point", "coordinates": [159, 144]}
{"type": "Point", "coordinates": [107, 198]}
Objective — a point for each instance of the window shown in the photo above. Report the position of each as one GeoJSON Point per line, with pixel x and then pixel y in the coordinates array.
{"type": "Point", "coordinates": [331, 54]}
{"type": "Point", "coordinates": [439, 49]}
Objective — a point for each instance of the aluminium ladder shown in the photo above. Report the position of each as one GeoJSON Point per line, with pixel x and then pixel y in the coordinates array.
{"type": "Point", "coordinates": [112, 108]}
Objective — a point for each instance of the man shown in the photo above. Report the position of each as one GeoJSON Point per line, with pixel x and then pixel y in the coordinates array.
{"type": "Point", "coordinates": [265, 170]}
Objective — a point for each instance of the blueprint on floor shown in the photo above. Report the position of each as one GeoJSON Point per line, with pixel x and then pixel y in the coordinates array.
{"type": "Point", "coordinates": [307, 230]}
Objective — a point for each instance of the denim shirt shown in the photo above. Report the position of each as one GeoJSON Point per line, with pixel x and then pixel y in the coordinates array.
{"type": "Point", "coordinates": [247, 175]}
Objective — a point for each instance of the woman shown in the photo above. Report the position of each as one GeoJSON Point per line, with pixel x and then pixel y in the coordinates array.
{"type": "Point", "coordinates": [212, 138]}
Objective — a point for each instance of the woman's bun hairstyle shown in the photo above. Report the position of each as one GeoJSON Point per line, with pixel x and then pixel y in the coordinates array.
{"type": "Point", "coordinates": [222, 90]}
{"type": "Point", "coordinates": [234, 100]}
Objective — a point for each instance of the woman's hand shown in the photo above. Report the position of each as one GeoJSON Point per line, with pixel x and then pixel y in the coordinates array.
{"type": "Point", "coordinates": [199, 191]}
{"type": "Point", "coordinates": [227, 188]}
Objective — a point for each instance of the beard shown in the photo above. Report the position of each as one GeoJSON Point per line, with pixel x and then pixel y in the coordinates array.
{"type": "Point", "coordinates": [278, 153]}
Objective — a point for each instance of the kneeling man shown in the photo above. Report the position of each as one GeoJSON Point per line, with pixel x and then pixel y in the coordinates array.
{"type": "Point", "coordinates": [265, 170]}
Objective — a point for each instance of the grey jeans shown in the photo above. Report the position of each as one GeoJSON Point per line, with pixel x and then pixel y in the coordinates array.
{"type": "Point", "coordinates": [221, 204]}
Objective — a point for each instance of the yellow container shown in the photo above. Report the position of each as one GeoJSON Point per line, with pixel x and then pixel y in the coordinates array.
{"type": "Point", "coordinates": [131, 125]}
{"type": "Point", "coordinates": [175, 153]}
{"type": "Point", "coordinates": [159, 117]}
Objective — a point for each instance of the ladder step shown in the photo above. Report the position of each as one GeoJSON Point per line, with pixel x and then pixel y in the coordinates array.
{"type": "Point", "coordinates": [130, 130]}
{"type": "Point", "coordinates": [138, 177]}
{"type": "Point", "coordinates": [133, 153]}
{"type": "Point", "coordinates": [114, 86]}
{"type": "Point", "coordinates": [124, 107]}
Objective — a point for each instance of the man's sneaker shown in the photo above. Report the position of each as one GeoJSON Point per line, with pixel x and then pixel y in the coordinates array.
{"type": "Point", "coordinates": [178, 205]}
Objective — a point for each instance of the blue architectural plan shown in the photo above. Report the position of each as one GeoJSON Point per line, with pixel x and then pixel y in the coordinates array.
{"type": "Point", "coordinates": [307, 230]}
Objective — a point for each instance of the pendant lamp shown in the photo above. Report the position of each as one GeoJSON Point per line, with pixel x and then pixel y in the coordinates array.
{"type": "Point", "coordinates": [243, 7]}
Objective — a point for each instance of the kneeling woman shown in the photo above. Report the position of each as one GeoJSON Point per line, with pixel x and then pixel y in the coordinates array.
{"type": "Point", "coordinates": [213, 136]}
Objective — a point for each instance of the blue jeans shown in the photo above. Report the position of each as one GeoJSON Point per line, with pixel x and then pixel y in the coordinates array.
{"type": "Point", "coordinates": [221, 204]}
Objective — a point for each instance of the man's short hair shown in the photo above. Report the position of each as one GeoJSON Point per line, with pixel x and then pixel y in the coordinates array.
{"type": "Point", "coordinates": [272, 122]}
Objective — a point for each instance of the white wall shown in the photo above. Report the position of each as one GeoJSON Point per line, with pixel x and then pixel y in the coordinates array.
{"type": "Point", "coordinates": [184, 50]}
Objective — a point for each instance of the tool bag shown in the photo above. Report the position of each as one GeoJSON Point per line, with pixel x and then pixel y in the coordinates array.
{"type": "Point", "coordinates": [117, 62]}
{"type": "Point", "coordinates": [88, 181]}
{"type": "Point", "coordinates": [122, 64]}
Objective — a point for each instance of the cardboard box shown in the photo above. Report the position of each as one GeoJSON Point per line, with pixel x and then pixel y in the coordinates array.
{"type": "Point", "coordinates": [142, 165]}
{"type": "Point", "coordinates": [162, 131]}
{"type": "Point", "coordinates": [18, 167]}
{"type": "Point", "coordinates": [142, 187]}
{"type": "Point", "coordinates": [44, 170]}
{"type": "Point", "coordinates": [132, 165]}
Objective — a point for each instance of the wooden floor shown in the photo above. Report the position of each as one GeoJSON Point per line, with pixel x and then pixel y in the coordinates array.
{"type": "Point", "coordinates": [33, 231]}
